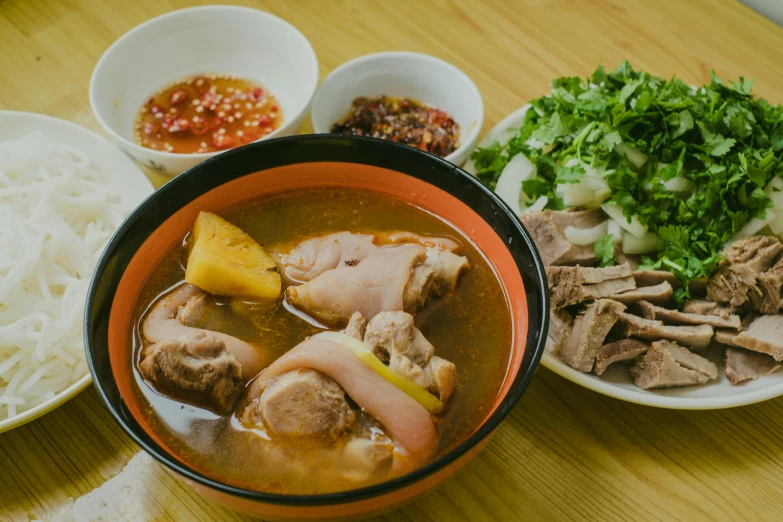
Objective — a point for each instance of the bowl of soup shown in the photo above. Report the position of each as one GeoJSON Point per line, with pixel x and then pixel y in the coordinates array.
{"type": "Point", "coordinates": [316, 326]}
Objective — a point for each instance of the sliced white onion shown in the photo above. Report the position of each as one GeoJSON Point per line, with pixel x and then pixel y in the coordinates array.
{"type": "Point", "coordinates": [633, 227]}
{"type": "Point", "coordinates": [509, 186]}
{"type": "Point", "coordinates": [634, 156]}
{"type": "Point", "coordinates": [754, 225]}
{"type": "Point", "coordinates": [614, 228]}
{"type": "Point", "coordinates": [777, 199]}
{"type": "Point", "coordinates": [777, 224]}
{"type": "Point", "coordinates": [679, 184]}
{"type": "Point", "coordinates": [585, 236]}
{"type": "Point", "coordinates": [601, 196]}
{"type": "Point", "coordinates": [538, 205]}
{"type": "Point", "coordinates": [576, 194]}
{"type": "Point", "coordinates": [640, 245]}
{"type": "Point", "coordinates": [775, 183]}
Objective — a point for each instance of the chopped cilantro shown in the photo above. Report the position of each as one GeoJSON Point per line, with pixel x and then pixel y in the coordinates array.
{"type": "Point", "coordinates": [604, 250]}
{"type": "Point", "coordinates": [727, 143]}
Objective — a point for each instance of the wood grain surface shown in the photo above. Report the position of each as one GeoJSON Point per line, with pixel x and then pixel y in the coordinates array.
{"type": "Point", "coordinates": [565, 453]}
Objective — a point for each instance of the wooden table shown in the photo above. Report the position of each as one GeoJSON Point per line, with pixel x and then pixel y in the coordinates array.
{"type": "Point", "coordinates": [565, 452]}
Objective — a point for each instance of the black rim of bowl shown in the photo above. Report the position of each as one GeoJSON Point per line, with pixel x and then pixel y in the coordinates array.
{"type": "Point", "coordinates": [278, 152]}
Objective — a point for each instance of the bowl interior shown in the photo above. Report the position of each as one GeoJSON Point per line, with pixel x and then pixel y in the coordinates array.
{"type": "Point", "coordinates": [237, 41]}
{"type": "Point", "coordinates": [264, 168]}
{"type": "Point", "coordinates": [406, 75]}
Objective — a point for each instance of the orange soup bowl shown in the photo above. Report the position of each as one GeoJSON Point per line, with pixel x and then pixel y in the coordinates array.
{"type": "Point", "coordinates": [265, 168]}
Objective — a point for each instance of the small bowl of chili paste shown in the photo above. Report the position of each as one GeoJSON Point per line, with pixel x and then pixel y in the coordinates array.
{"type": "Point", "coordinates": [190, 84]}
{"type": "Point", "coordinates": [410, 98]}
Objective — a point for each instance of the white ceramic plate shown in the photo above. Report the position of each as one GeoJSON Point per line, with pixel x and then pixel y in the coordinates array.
{"type": "Point", "coordinates": [120, 171]}
{"type": "Point", "coordinates": [617, 382]}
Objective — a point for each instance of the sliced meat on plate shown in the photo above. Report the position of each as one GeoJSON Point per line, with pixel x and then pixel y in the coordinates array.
{"type": "Point", "coordinates": [745, 260]}
{"type": "Point", "coordinates": [570, 285]}
{"type": "Point", "coordinates": [651, 311]}
{"type": "Point", "coordinates": [763, 335]}
{"type": "Point", "coordinates": [744, 365]}
{"type": "Point", "coordinates": [765, 297]}
{"type": "Point", "coordinates": [547, 230]}
{"type": "Point", "coordinates": [655, 277]}
{"type": "Point", "coordinates": [580, 347]}
{"type": "Point", "coordinates": [705, 307]}
{"type": "Point", "coordinates": [622, 350]}
{"type": "Point", "coordinates": [697, 337]}
{"type": "Point", "coordinates": [658, 294]}
{"type": "Point", "coordinates": [666, 365]}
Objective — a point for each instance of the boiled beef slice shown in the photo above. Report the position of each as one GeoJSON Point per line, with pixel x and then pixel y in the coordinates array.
{"type": "Point", "coordinates": [765, 297]}
{"type": "Point", "coordinates": [763, 335]}
{"type": "Point", "coordinates": [744, 365]}
{"type": "Point", "coordinates": [658, 294]}
{"type": "Point", "coordinates": [622, 350]}
{"type": "Point", "coordinates": [655, 277]}
{"type": "Point", "coordinates": [554, 247]}
{"type": "Point", "coordinates": [705, 307]}
{"type": "Point", "coordinates": [569, 285]}
{"type": "Point", "coordinates": [745, 260]}
{"type": "Point", "coordinates": [697, 337]}
{"type": "Point", "coordinates": [651, 311]}
{"type": "Point", "coordinates": [667, 365]}
{"type": "Point", "coordinates": [588, 334]}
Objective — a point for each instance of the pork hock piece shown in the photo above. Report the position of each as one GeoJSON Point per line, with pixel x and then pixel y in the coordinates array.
{"type": "Point", "coordinates": [696, 337]}
{"type": "Point", "coordinates": [746, 259]}
{"type": "Point", "coordinates": [744, 365]}
{"type": "Point", "coordinates": [394, 278]}
{"type": "Point", "coordinates": [205, 367]}
{"type": "Point", "coordinates": [666, 365]}
{"type": "Point", "coordinates": [547, 228]}
{"type": "Point", "coordinates": [570, 285]}
{"type": "Point", "coordinates": [581, 345]}
{"type": "Point", "coordinates": [312, 257]}
{"type": "Point", "coordinates": [618, 351]}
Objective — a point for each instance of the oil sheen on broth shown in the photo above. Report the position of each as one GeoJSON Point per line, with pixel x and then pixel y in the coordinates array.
{"type": "Point", "coordinates": [470, 327]}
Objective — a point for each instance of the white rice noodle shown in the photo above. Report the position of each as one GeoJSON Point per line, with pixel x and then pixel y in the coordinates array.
{"type": "Point", "coordinates": [643, 245]}
{"type": "Point", "coordinates": [633, 227]}
{"type": "Point", "coordinates": [56, 215]}
{"type": "Point", "coordinates": [509, 185]}
{"type": "Point", "coordinates": [585, 236]}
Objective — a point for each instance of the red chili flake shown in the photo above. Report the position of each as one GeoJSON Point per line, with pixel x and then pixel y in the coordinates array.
{"type": "Point", "coordinates": [151, 127]}
{"type": "Point", "coordinates": [273, 108]}
{"type": "Point", "coordinates": [177, 97]}
{"type": "Point", "coordinates": [265, 119]}
{"type": "Point", "coordinates": [208, 100]}
{"type": "Point", "coordinates": [222, 141]}
{"type": "Point", "coordinates": [249, 136]}
{"type": "Point", "coordinates": [256, 94]}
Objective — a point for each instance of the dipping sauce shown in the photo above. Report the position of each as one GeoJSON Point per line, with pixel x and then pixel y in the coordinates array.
{"type": "Point", "coordinates": [206, 113]}
{"type": "Point", "coordinates": [402, 120]}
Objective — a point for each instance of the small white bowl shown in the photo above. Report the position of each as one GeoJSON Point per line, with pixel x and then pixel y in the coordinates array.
{"type": "Point", "coordinates": [238, 41]}
{"type": "Point", "coordinates": [402, 75]}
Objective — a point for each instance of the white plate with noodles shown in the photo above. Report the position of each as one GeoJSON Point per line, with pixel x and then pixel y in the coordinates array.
{"type": "Point", "coordinates": [63, 192]}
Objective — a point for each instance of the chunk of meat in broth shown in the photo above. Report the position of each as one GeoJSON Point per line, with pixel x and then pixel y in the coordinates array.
{"type": "Point", "coordinates": [405, 420]}
{"type": "Point", "coordinates": [199, 363]}
{"type": "Point", "coordinates": [301, 403]}
{"type": "Point", "coordinates": [394, 278]}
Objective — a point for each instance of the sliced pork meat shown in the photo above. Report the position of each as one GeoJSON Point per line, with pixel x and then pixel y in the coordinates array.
{"type": "Point", "coordinates": [666, 365]}
{"type": "Point", "coordinates": [658, 294]}
{"type": "Point", "coordinates": [590, 329]}
{"type": "Point", "coordinates": [195, 367]}
{"type": "Point", "coordinates": [393, 338]}
{"type": "Point", "coordinates": [651, 311]}
{"type": "Point", "coordinates": [299, 403]}
{"type": "Point", "coordinates": [394, 278]}
{"type": "Point", "coordinates": [576, 218]}
{"type": "Point", "coordinates": [765, 297]}
{"type": "Point", "coordinates": [365, 457]}
{"type": "Point", "coordinates": [406, 421]}
{"type": "Point", "coordinates": [725, 337]}
{"type": "Point", "coordinates": [162, 324]}
{"type": "Point", "coordinates": [622, 350]}
{"type": "Point", "coordinates": [570, 285]}
{"type": "Point", "coordinates": [745, 260]}
{"type": "Point", "coordinates": [705, 307]}
{"type": "Point", "coordinates": [554, 247]}
{"type": "Point", "coordinates": [744, 365]}
{"type": "Point", "coordinates": [763, 335]}
{"type": "Point", "coordinates": [697, 337]}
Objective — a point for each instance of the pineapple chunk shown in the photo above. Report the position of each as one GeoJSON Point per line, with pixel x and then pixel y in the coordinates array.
{"type": "Point", "coordinates": [226, 261]}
